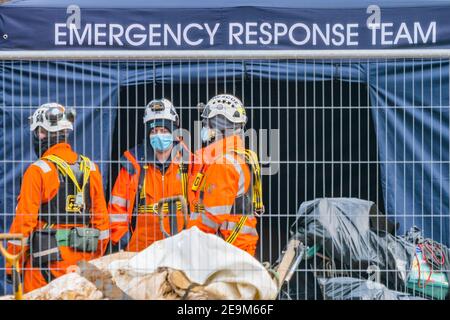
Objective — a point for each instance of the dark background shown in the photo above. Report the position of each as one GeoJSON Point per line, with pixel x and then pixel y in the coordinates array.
{"type": "Point", "coordinates": [327, 141]}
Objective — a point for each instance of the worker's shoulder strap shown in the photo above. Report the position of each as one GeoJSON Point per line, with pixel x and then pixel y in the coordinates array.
{"type": "Point", "coordinates": [66, 170]}
{"type": "Point", "coordinates": [86, 165]}
{"type": "Point", "coordinates": [255, 191]}
{"type": "Point", "coordinates": [131, 159]}
{"type": "Point", "coordinates": [58, 161]}
{"type": "Point", "coordinates": [129, 163]}
{"type": "Point", "coordinates": [256, 186]}
{"type": "Point", "coordinates": [250, 157]}
{"type": "Point", "coordinates": [183, 155]}
{"type": "Point", "coordinates": [85, 160]}
{"type": "Point", "coordinates": [140, 193]}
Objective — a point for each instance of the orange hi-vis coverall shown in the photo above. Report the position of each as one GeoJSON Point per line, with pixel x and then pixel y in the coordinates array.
{"type": "Point", "coordinates": [44, 205]}
{"type": "Point", "coordinates": [223, 193]}
{"type": "Point", "coordinates": [141, 183]}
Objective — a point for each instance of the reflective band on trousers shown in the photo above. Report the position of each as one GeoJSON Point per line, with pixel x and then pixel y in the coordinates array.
{"type": "Point", "coordinates": [118, 217]}
{"type": "Point", "coordinates": [228, 225]}
{"type": "Point", "coordinates": [45, 252]}
{"type": "Point", "coordinates": [119, 201]}
{"type": "Point", "coordinates": [18, 242]}
{"type": "Point", "coordinates": [238, 168]}
{"type": "Point", "coordinates": [205, 220]}
{"type": "Point", "coordinates": [194, 215]}
{"type": "Point", "coordinates": [216, 210]}
{"type": "Point", "coordinates": [104, 234]}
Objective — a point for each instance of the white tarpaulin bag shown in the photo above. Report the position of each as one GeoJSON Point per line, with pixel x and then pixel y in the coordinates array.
{"type": "Point", "coordinates": [224, 270]}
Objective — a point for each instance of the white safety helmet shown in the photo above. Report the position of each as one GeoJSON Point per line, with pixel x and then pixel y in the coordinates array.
{"type": "Point", "coordinates": [226, 105]}
{"type": "Point", "coordinates": [53, 117]}
{"type": "Point", "coordinates": [160, 109]}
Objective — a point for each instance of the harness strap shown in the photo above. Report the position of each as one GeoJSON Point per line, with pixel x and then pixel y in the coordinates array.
{"type": "Point", "coordinates": [66, 170]}
{"type": "Point", "coordinates": [153, 208]}
{"type": "Point", "coordinates": [184, 180]}
{"type": "Point", "coordinates": [139, 195]}
{"type": "Point", "coordinates": [237, 229]}
{"type": "Point", "coordinates": [256, 187]}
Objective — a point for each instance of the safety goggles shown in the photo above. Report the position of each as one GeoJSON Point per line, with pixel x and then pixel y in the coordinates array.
{"type": "Point", "coordinates": [54, 115]}
{"type": "Point", "coordinates": [157, 106]}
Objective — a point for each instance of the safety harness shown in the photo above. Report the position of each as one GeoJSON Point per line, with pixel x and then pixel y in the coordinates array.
{"type": "Point", "coordinates": [143, 208]}
{"type": "Point", "coordinates": [66, 170]}
{"type": "Point", "coordinates": [46, 241]}
{"type": "Point", "coordinates": [255, 191]}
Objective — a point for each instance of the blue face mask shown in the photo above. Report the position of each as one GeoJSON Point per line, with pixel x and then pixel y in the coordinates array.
{"type": "Point", "coordinates": [161, 141]}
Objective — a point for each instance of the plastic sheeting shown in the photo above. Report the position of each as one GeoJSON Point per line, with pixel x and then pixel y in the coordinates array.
{"type": "Point", "coordinates": [344, 288]}
{"type": "Point", "coordinates": [342, 227]}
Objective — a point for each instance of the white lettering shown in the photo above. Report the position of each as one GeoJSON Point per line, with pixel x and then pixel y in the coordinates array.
{"type": "Point", "coordinates": [249, 33]}
{"type": "Point", "coordinates": [291, 34]}
{"type": "Point", "coordinates": [115, 37]}
{"type": "Point", "coordinates": [403, 33]}
{"type": "Point", "coordinates": [176, 38]}
{"type": "Point", "coordinates": [280, 29]}
{"type": "Point", "coordinates": [236, 35]}
{"type": "Point", "coordinates": [139, 37]}
{"type": "Point", "coordinates": [431, 30]}
{"type": "Point", "coordinates": [59, 33]}
{"type": "Point", "coordinates": [338, 34]}
{"type": "Point", "coordinates": [385, 33]}
{"type": "Point", "coordinates": [351, 34]}
{"type": "Point", "coordinates": [212, 33]}
{"type": "Point", "coordinates": [99, 34]}
{"type": "Point", "coordinates": [265, 27]}
{"type": "Point", "coordinates": [153, 34]}
{"type": "Point", "coordinates": [325, 37]}
{"type": "Point", "coordinates": [186, 30]}
{"type": "Point", "coordinates": [87, 32]}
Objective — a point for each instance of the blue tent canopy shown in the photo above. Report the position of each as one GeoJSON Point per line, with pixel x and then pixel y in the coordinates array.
{"type": "Point", "coordinates": [410, 112]}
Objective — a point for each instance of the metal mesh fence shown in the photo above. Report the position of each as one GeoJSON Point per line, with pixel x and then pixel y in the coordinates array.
{"type": "Point", "coordinates": [315, 124]}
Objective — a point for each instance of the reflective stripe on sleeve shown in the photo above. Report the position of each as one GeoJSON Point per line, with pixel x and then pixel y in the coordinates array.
{"type": "Point", "coordinates": [45, 252]}
{"type": "Point", "coordinates": [92, 166]}
{"type": "Point", "coordinates": [238, 168]}
{"type": "Point", "coordinates": [18, 242]}
{"type": "Point", "coordinates": [118, 217]}
{"type": "Point", "coordinates": [119, 201]}
{"type": "Point", "coordinates": [104, 234]}
{"type": "Point", "coordinates": [43, 165]}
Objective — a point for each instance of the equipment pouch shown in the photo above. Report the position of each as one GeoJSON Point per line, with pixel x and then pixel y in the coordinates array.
{"type": "Point", "coordinates": [44, 247]}
{"type": "Point", "coordinates": [84, 239]}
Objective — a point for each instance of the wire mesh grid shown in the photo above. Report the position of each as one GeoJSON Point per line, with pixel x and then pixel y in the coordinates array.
{"type": "Point", "coordinates": [321, 128]}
